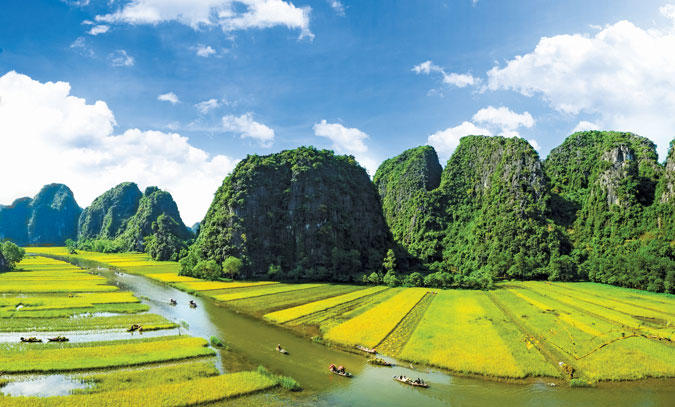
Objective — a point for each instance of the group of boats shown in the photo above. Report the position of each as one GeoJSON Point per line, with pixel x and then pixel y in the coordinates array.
{"type": "Point", "coordinates": [192, 304]}
{"type": "Point", "coordinates": [33, 339]}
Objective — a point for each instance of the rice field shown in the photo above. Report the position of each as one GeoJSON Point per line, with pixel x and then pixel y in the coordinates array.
{"type": "Point", "coordinates": [516, 331]}
{"type": "Point", "coordinates": [371, 327]}
{"type": "Point", "coordinates": [196, 391]}
{"type": "Point", "coordinates": [24, 358]}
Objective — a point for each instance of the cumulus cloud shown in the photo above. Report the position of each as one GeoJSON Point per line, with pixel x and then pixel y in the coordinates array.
{"type": "Point", "coordinates": [623, 76]}
{"type": "Point", "coordinates": [246, 127]}
{"type": "Point", "coordinates": [505, 119]}
{"type": "Point", "coordinates": [455, 79]}
{"type": "Point", "coordinates": [121, 58]}
{"type": "Point", "coordinates": [229, 15]}
{"type": "Point", "coordinates": [205, 50]}
{"type": "Point", "coordinates": [53, 136]}
{"type": "Point", "coordinates": [347, 141]}
{"type": "Point", "coordinates": [98, 29]}
{"type": "Point", "coordinates": [446, 141]}
{"type": "Point", "coordinates": [585, 126]}
{"type": "Point", "coordinates": [168, 97]}
{"type": "Point", "coordinates": [207, 105]}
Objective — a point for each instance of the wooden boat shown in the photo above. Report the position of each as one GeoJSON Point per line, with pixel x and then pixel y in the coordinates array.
{"type": "Point", "coordinates": [32, 339]}
{"type": "Point", "coordinates": [380, 362]}
{"type": "Point", "coordinates": [367, 350]}
{"type": "Point", "coordinates": [406, 380]}
{"type": "Point", "coordinates": [345, 374]}
{"type": "Point", "coordinates": [58, 339]}
{"type": "Point", "coordinates": [173, 302]}
{"type": "Point", "coordinates": [282, 350]}
{"type": "Point", "coordinates": [193, 304]}
{"type": "Point", "coordinates": [135, 327]}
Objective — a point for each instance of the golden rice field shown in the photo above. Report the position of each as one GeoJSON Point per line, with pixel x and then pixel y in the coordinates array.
{"type": "Point", "coordinates": [173, 394]}
{"type": "Point", "coordinates": [44, 294]}
{"type": "Point", "coordinates": [519, 330]}
{"type": "Point", "coordinates": [371, 327]}
{"type": "Point", "coordinates": [317, 306]}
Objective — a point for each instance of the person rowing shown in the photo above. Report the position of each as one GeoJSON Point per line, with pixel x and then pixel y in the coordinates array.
{"type": "Point", "coordinates": [173, 301]}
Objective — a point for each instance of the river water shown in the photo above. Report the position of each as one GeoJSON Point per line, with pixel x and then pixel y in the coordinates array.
{"type": "Point", "coordinates": [252, 343]}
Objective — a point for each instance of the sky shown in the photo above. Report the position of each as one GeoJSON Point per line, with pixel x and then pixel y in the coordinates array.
{"type": "Point", "coordinates": [174, 93]}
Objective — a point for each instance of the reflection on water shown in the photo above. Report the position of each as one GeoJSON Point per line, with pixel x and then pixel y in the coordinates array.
{"type": "Point", "coordinates": [43, 386]}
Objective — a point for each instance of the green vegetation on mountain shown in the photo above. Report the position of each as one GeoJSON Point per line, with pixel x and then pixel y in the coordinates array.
{"type": "Point", "coordinates": [297, 214]}
{"type": "Point", "coordinates": [124, 219]}
{"type": "Point", "coordinates": [48, 219]}
{"type": "Point", "coordinates": [613, 197]}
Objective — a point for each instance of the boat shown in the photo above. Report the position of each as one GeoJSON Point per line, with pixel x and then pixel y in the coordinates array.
{"type": "Point", "coordinates": [173, 302]}
{"type": "Point", "coordinates": [345, 374]}
{"type": "Point", "coordinates": [367, 350]}
{"type": "Point", "coordinates": [193, 304]}
{"type": "Point", "coordinates": [58, 339]}
{"type": "Point", "coordinates": [379, 362]}
{"type": "Point", "coordinates": [409, 382]}
{"type": "Point", "coordinates": [32, 339]}
{"type": "Point", "coordinates": [284, 351]}
{"type": "Point", "coordinates": [135, 327]}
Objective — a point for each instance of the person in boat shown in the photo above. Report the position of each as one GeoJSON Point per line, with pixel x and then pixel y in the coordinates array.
{"type": "Point", "coordinates": [173, 301]}
{"type": "Point", "coordinates": [279, 348]}
{"type": "Point", "coordinates": [341, 369]}
{"type": "Point", "coordinates": [331, 367]}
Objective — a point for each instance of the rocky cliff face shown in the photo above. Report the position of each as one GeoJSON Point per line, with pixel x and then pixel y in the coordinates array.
{"type": "Point", "coordinates": [127, 218]}
{"type": "Point", "coordinates": [314, 214]}
{"type": "Point", "coordinates": [667, 193]}
{"type": "Point", "coordinates": [495, 196]}
{"type": "Point", "coordinates": [406, 184]}
{"type": "Point", "coordinates": [153, 204]}
{"type": "Point", "coordinates": [108, 215]}
{"type": "Point", "coordinates": [48, 219]}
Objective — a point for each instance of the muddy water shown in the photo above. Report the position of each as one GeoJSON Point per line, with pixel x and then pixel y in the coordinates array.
{"type": "Point", "coordinates": [252, 343]}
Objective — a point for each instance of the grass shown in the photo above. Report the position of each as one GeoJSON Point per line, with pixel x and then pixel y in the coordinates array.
{"type": "Point", "coordinates": [371, 327]}
{"type": "Point", "coordinates": [25, 358]}
{"type": "Point", "coordinates": [286, 382]}
{"type": "Point", "coordinates": [458, 333]}
{"type": "Point", "coordinates": [396, 340]}
{"type": "Point", "coordinates": [289, 314]}
{"type": "Point", "coordinates": [184, 393]}
{"type": "Point", "coordinates": [218, 285]}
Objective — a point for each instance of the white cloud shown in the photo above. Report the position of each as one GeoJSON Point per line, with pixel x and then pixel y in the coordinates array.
{"type": "Point", "coordinates": [534, 144]}
{"type": "Point", "coordinates": [456, 79]}
{"type": "Point", "coordinates": [207, 105]}
{"type": "Point", "coordinates": [504, 118]}
{"type": "Point", "coordinates": [246, 127]}
{"type": "Point", "coordinates": [121, 58]}
{"type": "Point", "coordinates": [56, 137]}
{"type": "Point", "coordinates": [348, 141]}
{"type": "Point", "coordinates": [623, 75]}
{"type": "Point", "coordinates": [227, 14]}
{"type": "Point", "coordinates": [98, 29]}
{"type": "Point", "coordinates": [585, 126]}
{"type": "Point", "coordinates": [78, 43]}
{"type": "Point", "coordinates": [205, 50]}
{"type": "Point", "coordinates": [168, 97]}
{"type": "Point", "coordinates": [446, 141]}
{"type": "Point", "coordinates": [668, 11]}
{"type": "Point", "coordinates": [337, 6]}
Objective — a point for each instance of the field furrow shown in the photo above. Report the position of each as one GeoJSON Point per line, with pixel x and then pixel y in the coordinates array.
{"type": "Point", "coordinates": [399, 336]}
{"type": "Point", "coordinates": [267, 290]}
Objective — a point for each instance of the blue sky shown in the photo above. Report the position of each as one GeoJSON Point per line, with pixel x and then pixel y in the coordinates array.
{"type": "Point", "coordinates": [369, 78]}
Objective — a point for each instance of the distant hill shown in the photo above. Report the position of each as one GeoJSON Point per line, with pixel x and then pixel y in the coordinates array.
{"type": "Point", "coordinates": [48, 219]}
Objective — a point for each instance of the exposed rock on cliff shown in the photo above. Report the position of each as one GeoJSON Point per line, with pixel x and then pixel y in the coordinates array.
{"type": "Point", "coordinates": [302, 213]}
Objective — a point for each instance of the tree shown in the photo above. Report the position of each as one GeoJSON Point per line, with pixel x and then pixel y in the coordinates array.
{"type": "Point", "coordinates": [70, 245]}
{"type": "Point", "coordinates": [232, 266]}
{"type": "Point", "coordinates": [12, 254]}
{"type": "Point", "coordinates": [207, 269]}
{"type": "Point", "coordinates": [391, 279]}
{"type": "Point", "coordinates": [389, 262]}
{"type": "Point", "coordinates": [374, 278]}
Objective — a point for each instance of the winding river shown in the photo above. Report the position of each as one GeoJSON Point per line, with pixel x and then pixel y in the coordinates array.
{"type": "Point", "coordinates": [252, 343]}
